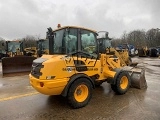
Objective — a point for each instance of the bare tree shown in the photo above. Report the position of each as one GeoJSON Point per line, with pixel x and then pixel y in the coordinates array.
{"type": "Point", "coordinates": [139, 38]}
{"type": "Point", "coordinates": [29, 41]}
{"type": "Point", "coordinates": [153, 37]}
{"type": "Point", "coordinates": [116, 41]}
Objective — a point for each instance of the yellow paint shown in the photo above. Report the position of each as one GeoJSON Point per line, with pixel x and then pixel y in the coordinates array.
{"type": "Point", "coordinates": [55, 66]}
{"type": "Point", "coordinates": [50, 87]}
{"type": "Point", "coordinates": [122, 55]}
{"type": "Point", "coordinates": [124, 82]}
{"type": "Point", "coordinates": [110, 74]}
{"type": "Point", "coordinates": [81, 93]}
{"type": "Point", "coordinates": [32, 50]}
{"type": "Point", "coordinates": [18, 96]}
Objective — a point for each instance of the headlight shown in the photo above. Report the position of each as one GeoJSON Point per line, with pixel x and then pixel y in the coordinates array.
{"type": "Point", "coordinates": [50, 77]}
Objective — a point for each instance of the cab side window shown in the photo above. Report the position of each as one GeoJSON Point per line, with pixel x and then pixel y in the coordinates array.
{"type": "Point", "coordinates": [71, 40]}
{"type": "Point", "coordinates": [88, 42]}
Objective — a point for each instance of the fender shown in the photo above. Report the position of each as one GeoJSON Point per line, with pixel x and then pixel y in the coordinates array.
{"type": "Point", "coordinates": [113, 80]}
{"type": "Point", "coordinates": [72, 79]}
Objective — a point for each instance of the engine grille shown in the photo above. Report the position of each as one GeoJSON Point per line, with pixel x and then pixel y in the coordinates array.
{"type": "Point", "coordinates": [35, 70]}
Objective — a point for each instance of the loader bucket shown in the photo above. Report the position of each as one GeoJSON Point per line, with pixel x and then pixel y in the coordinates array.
{"type": "Point", "coordinates": [17, 65]}
{"type": "Point", "coordinates": [137, 76]}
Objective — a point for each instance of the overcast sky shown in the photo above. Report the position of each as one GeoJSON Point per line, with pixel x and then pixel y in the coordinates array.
{"type": "Point", "coordinates": [19, 18]}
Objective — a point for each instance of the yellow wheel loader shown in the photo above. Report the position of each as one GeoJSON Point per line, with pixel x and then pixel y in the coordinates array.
{"type": "Point", "coordinates": [105, 47]}
{"type": "Point", "coordinates": [143, 51]}
{"type": "Point", "coordinates": [74, 65]}
{"type": "Point", "coordinates": [41, 48]}
{"type": "Point", "coordinates": [16, 61]}
{"type": "Point", "coordinates": [30, 51]}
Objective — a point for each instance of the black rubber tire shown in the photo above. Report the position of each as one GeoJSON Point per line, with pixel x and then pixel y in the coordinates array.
{"type": "Point", "coordinates": [70, 96]}
{"type": "Point", "coordinates": [117, 86]}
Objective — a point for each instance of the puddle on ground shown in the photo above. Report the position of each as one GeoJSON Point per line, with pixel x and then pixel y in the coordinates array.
{"type": "Point", "coordinates": [106, 87]}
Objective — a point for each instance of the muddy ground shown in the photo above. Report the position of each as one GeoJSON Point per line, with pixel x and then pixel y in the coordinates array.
{"type": "Point", "coordinates": [19, 101]}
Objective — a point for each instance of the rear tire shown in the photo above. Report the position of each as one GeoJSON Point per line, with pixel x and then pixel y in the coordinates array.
{"type": "Point", "coordinates": [122, 83]}
{"type": "Point", "coordinates": [80, 93]}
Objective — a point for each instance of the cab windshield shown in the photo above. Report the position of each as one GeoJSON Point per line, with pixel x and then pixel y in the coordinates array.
{"type": "Point", "coordinates": [44, 44]}
{"type": "Point", "coordinates": [65, 41]}
{"type": "Point", "coordinates": [70, 40]}
{"type": "Point", "coordinates": [13, 46]}
{"type": "Point", "coordinates": [107, 43]}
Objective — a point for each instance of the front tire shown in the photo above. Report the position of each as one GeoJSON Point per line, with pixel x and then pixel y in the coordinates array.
{"type": "Point", "coordinates": [80, 93]}
{"type": "Point", "coordinates": [122, 83]}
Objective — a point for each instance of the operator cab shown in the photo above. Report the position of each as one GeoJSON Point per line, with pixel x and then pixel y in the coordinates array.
{"type": "Point", "coordinates": [43, 44]}
{"type": "Point", "coordinates": [104, 41]}
{"type": "Point", "coordinates": [71, 39]}
{"type": "Point", "coordinates": [13, 46]}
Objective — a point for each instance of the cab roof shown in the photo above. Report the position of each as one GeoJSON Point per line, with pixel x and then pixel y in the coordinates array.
{"type": "Point", "coordinates": [74, 27]}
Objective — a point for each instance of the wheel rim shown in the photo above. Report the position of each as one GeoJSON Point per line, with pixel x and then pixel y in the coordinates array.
{"type": "Point", "coordinates": [81, 93]}
{"type": "Point", "coordinates": [124, 82]}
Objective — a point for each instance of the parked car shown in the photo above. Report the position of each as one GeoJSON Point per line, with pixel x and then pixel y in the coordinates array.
{"type": "Point", "coordinates": [158, 49]}
{"type": "Point", "coordinates": [131, 49]}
